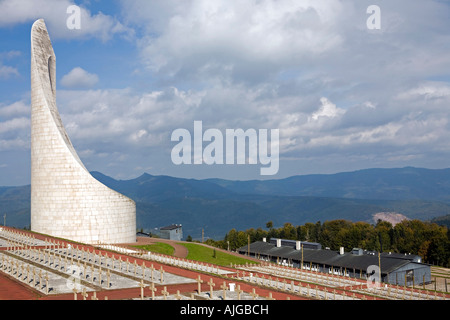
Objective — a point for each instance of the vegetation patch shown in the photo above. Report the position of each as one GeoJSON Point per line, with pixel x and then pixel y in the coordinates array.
{"type": "Point", "coordinates": [158, 247]}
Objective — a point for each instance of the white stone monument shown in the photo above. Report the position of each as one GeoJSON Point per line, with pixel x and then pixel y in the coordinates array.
{"type": "Point", "coordinates": [66, 201]}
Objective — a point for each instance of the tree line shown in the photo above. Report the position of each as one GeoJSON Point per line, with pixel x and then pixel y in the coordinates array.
{"type": "Point", "coordinates": [428, 240]}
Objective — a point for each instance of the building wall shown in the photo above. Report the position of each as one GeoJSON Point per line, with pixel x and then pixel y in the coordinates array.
{"type": "Point", "coordinates": [174, 234]}
{"type": "Point", "coordinates": [413, 271]}
{"type": "Point", "coordinates": [66, 201]}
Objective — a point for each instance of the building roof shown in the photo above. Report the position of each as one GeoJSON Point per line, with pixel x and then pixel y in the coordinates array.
{"type": "Point", "coordinates": [171, 227]}
{"type": "Point", "coordinates": [293, 243]}
{"type": "Point", "coordinates": [270, 249]}
{"type": "Point", "coordinates": [142, 234]}
{"type": "Point", "coordinates": [403, 256]}
{"type": "Point", "coordinates": [389, 262]}
{"type": "Point", "coordinates": [362, 262]}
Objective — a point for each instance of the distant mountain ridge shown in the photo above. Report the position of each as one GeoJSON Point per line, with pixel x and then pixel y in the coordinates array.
{"type": "Point", "coordinates": [159, 188]}
{"type": "Point", "coordinates": [218, 205]}
{"type": "Point", "coordinates": [388, 184]}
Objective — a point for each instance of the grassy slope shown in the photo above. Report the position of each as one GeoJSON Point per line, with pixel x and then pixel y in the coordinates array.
{"type": "Point", "coordinates": [204, 254]}
{"type": "Point", "coordinates": [197, 252]}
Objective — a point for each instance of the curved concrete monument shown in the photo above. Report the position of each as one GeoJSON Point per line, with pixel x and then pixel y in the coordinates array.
{"type": "Point", "coordinates": [66, 201]}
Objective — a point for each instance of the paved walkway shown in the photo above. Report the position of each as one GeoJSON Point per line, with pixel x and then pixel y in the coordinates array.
{"type": "Point", "coordinates": [14, 290]}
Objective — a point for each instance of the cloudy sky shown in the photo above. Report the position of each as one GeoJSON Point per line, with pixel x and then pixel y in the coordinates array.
{"type": "Point", "coordinates": [344, 96]}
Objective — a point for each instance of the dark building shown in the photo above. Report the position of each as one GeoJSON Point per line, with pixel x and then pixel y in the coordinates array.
{"type": "Point", "coordinates": [395, 268]}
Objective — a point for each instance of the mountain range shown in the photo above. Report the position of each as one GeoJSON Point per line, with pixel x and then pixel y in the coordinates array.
{"type": "Point", "coordinates": [218, 205]}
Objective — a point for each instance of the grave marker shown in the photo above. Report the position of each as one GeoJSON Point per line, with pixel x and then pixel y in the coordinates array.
{"type": "Point", "coordinates": [199, 287]}
{"type": "Point", "coordinates": [224, 288]}
{"type": "Point", "coordinates": [211, 285]}
{"type": "Point", "coordinates": [165, 293]}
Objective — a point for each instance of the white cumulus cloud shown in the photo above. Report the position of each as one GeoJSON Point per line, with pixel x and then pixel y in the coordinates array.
{"type": "Point", "coordinates": [7, 71]}
{"type": "Point", "coordinates": [328, 110]}
{"type": "Point", "coordinates": [54, 12]}
{"type": "Point", "coordinates": [79, 78]}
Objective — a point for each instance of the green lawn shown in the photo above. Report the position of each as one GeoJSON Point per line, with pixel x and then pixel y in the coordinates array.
{"type": "Point", "coordinates": [200, 253]}
{"type": "Point", "coordinates": [197, 252]}
{"type": "Point", "coordinates": [158, 247]}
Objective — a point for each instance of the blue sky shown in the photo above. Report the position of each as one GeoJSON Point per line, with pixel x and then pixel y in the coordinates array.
{"type": "Point", "coordinates": [344, 97]}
